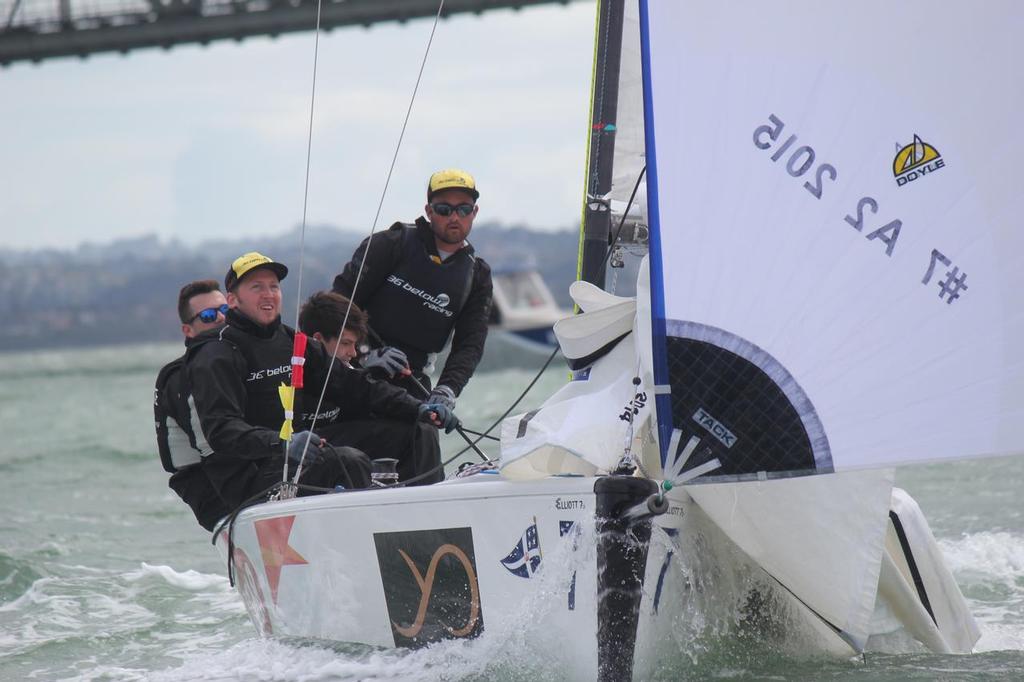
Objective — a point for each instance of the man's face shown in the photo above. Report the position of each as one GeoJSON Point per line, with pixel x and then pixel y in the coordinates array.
{"type": "Point", "coordinates": [258, 296]}
{"type": "Point", "coordinates": [344, 347]}
{"type": "Point", "coordinates": [451, 230]}
{"type": "Point", "coordinates": [213, 299]}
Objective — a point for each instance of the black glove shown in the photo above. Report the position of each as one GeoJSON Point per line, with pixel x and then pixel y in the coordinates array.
{"type": "Point", "coordinates": [449, 422]}
{"type": "Point", "coordinates": [298, 443]}
{"type": "Point", "coordinates": [389, 359]}
{"type": "Point", "coordinates": [442, 395]}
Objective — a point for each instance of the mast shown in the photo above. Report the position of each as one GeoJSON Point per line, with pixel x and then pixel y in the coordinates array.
{"type": "Point", "coordinates": [596, 229]}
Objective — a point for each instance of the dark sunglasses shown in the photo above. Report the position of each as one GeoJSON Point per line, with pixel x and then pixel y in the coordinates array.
{"type": "Point", "coordinates": [209, 315]}
{"type": "Point", "coordinates": [445, 210]}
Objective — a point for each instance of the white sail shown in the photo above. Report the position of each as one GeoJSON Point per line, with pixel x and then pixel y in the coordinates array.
{"type": "Point", "coordinates": [629, 135]}
{"type": "Point", "coordinates": [883, 308]}
{"type": "Point", "coordinates": [586, 426]}
{"type": "Point", "coordinates": [821, 538]}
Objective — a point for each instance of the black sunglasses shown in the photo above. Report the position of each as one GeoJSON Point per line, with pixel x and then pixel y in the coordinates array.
{"type": "Point", "coordinates": [209, 315]}
{"type": "Point", "coordinates": [445, 210]}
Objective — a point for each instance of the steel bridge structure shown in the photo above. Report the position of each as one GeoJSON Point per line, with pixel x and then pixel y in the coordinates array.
{"type": "Point", "coordinates": [34, 30]}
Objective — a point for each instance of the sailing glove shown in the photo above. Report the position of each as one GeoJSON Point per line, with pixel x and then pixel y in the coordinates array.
{"type": "Point", "coordinates": [388, 358]}
{"type": "Point", "coordinates": [298, 444]}
{"type": "Point", "coordinates": [442, 395]}
{"type": "Point", "coordinates": [449, 422]}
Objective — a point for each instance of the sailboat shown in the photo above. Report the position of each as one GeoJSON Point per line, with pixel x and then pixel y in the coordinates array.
{"type": "Point", "coordinates": [770, 323]}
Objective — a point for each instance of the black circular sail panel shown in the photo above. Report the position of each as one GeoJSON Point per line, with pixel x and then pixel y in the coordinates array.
{"type": "Point", "coordinates": [743, 405]}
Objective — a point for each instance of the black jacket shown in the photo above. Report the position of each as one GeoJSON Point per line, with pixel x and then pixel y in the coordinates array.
{"type": "Point", "coordinates": [180, 450]}
{"type": "Point", "coordinates": [234, 373]}
{"type": "Point", "coordinates": [469, 325]}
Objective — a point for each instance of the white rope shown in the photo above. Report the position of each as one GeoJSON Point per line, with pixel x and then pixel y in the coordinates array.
{"type": "Point", "coordinates": [305, 205]}
{"type": "Point", "coordinates": [373, 229]}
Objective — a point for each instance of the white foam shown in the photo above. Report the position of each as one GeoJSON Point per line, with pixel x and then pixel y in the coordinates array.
{"type": "Point", "coordinates": [1000, 637]}
{"type": "Point", "coordinates": [193, 581]}
{"type": "Point", "coordinates": [33, 595]}
{"type": "Point", "coordinates": [109, 673]}
{"type": "Point", "coordinates": [997, 556]}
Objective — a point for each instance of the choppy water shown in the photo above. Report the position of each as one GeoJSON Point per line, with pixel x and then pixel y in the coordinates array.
{"type": "Point", "coordinates": [104, 574]}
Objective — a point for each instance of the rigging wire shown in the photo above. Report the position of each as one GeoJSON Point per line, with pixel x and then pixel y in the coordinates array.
{"type": "Point", "coordinates": [373, 229]}
{"type": "Point", "coordinates": [305, 199]}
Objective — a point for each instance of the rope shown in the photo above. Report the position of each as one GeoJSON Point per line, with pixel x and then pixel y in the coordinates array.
{"type": "Point", "coordinates": [490, 428]}
{"type": "Point", "coordinates": [373, 229]}
{"type": "Point", "coordinates": [305, 200]}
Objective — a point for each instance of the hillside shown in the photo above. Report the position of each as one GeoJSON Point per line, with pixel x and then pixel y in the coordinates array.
{"type": "Point", "coordinates": [125, 291]}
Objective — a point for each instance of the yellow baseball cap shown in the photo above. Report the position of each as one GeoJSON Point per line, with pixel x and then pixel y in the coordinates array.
{"type": "Point", "coordinates": [248, 262]}
{"type": "Point", "coordinates": [452, 178]}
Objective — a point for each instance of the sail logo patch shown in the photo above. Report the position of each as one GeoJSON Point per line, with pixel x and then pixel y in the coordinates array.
{"type": "Point", "coordinates": [714, 427]}
{"type": "Point", "coordinates": [915, 160]}
{"type": "Point", "coordinates": [430, 585]}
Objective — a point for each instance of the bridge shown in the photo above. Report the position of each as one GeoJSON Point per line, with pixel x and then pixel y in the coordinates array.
{"type": "Point", "coordinates": [34, 30]}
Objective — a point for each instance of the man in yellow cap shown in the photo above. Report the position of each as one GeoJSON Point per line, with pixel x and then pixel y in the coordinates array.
{"type": "Point", "coordinates": [234, 373]}
{"type": "Point", "coordinates": [421, 284]}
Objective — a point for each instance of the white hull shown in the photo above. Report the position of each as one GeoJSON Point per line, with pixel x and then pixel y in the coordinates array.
{"type": "Point", "coordinates": [332, 567]}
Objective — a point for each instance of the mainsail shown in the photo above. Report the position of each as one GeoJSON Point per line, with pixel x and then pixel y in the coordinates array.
{"type": "Point", "coordinates": [827, 314]}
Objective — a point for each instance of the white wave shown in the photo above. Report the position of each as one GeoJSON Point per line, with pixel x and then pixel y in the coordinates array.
{"type": "Point", "coordinates": [989, 566]}
{"type": "Point", "coordinates": [33, 595]}
{"type": "Point", "coordinates": [191, 580]}
{"type": "Point", "coordinates": [1000, 637]}
{"type": "Point", "coordinates": [996, 556]}
{"type": "Point", "coordinates": [108, 673]}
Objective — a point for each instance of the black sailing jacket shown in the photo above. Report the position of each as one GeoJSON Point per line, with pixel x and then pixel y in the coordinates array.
{"type": "Point", "coordinates": [180, 450]}
{"type": "Point", "coordinates": [233, 373]}
{"type": "Point", "coordinates": [388, 255]}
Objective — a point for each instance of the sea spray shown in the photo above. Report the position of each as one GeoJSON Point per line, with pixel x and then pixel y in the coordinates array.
{"type": "Point", "coordinates": [516, 648]}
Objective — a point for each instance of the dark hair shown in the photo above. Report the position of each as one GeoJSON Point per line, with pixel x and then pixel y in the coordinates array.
{"type": "Point", "coordinates": [190, 291]}
{"type": "Point", "coordinates": [324, 313]}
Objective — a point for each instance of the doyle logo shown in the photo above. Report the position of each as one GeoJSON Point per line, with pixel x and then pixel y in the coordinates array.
{"type": "Point", "coordinates": [714, 427]}
{"type": "Point", "coordinates": [430, 585]}
{"type": "Point", "coordinates": [437, 303]}
{"type": "Point", "coordinates": [915, 160]}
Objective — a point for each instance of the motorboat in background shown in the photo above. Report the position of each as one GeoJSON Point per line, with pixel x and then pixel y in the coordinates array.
{"type": "Point", "coordinates": [523, 309]}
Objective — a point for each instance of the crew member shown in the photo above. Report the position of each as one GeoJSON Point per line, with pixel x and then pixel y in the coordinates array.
{"type": "Point", "coordinates": [234, 374]}
{"type": "Point", "coordinates": [415, 445]}
{"type": "Point", "coordinates": [201, 306]}
{"type": "Point", "coordinates": [422, 284]}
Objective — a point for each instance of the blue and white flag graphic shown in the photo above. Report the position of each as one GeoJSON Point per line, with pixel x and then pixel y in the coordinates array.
{"type": "Point", "coordinates": [524, 559]}
{"type": "Point", "coordinates": [573, 528]}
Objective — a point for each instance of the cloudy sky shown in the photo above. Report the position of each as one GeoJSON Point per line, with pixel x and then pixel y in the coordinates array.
{"type": "Point", "coordinates": [198, 143]}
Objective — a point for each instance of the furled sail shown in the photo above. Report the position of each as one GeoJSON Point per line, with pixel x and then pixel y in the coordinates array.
{"type": "Point", "coordinates": [586, 426]}
{"type": "Point", "coordinates": [817, 306]}
{"type": "Point", "coordinates": [629, 143]}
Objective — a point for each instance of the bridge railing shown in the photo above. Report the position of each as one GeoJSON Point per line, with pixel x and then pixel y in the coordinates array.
{"type": "Point", "coordinates": [43, 29]}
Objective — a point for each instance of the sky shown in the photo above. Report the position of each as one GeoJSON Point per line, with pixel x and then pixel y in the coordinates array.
{"type": "Point", "coordinates": [196, 143]}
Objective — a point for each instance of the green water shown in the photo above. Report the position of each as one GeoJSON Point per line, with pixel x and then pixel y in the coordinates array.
{"type": "Point", "coordinates": [104, 574]}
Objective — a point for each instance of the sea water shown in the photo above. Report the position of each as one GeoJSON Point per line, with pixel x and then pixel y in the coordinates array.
{"type": "Point", "coordinates": [104, 574]}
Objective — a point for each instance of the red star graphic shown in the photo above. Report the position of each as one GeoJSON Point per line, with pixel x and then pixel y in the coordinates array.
{"type": "Point", "coordinates": [273, 536]}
